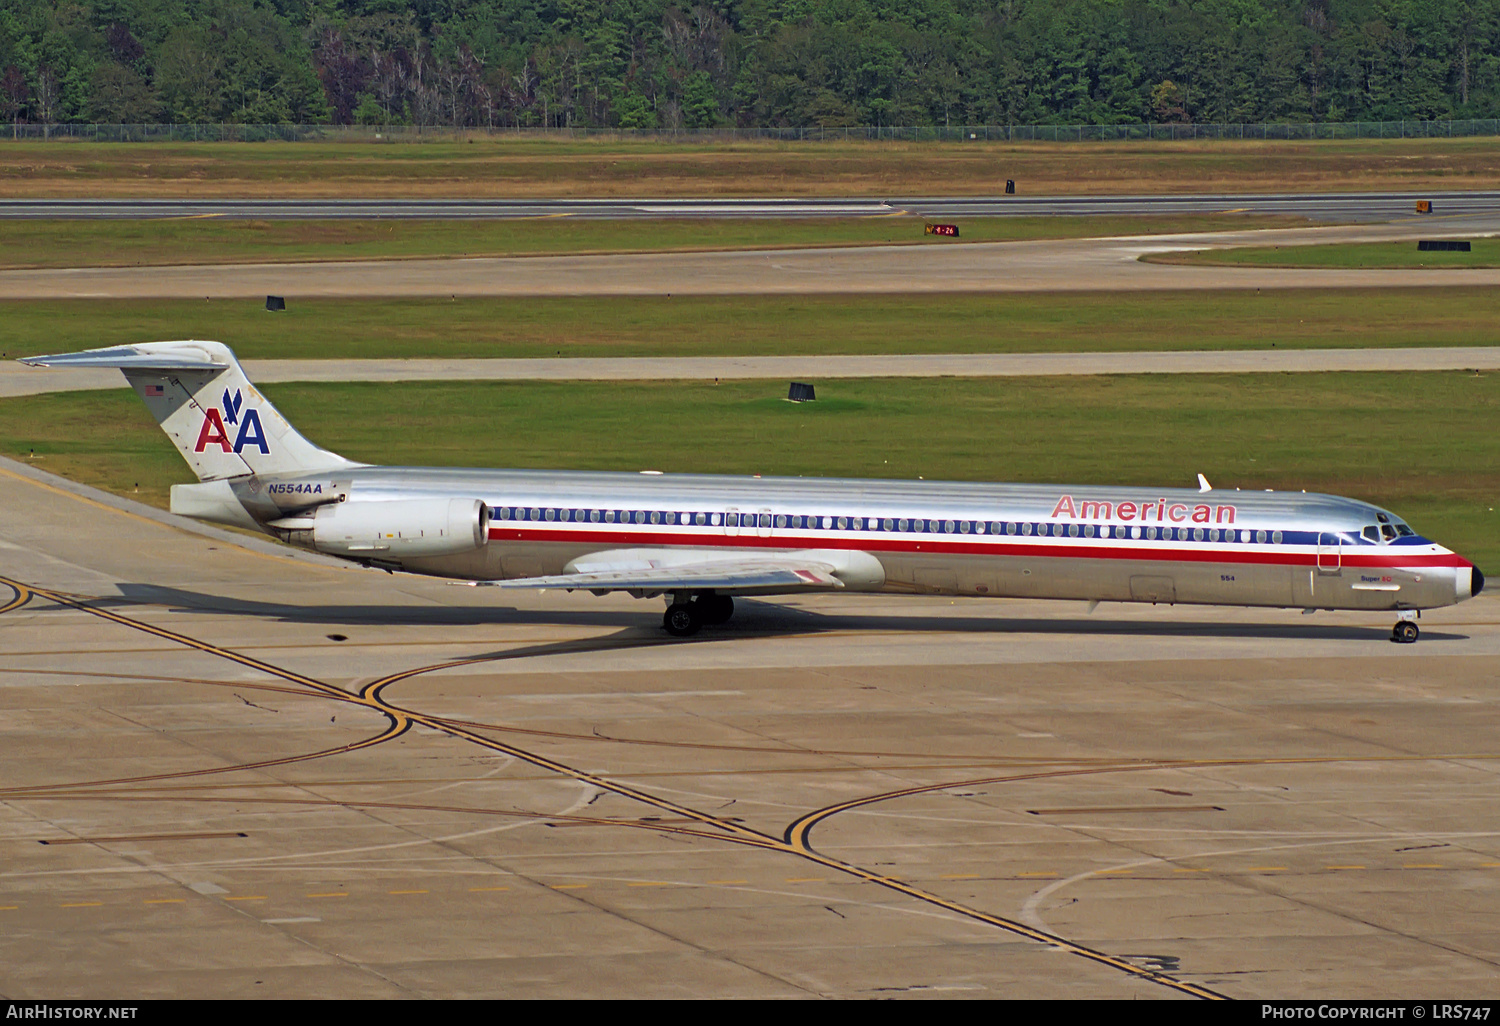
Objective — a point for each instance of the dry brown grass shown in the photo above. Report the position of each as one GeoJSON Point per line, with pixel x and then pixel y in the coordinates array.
{"type": "Point", "coordinates": [509, 168]}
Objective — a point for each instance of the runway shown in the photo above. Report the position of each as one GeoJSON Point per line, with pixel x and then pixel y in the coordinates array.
{"type": "Point", "coordinates": [262, 776]}
{"type": "Point", "coordinates": [1104, 264]}
{"type": "Point", "coordinates": [1379, 206]}
{"type": "Point", "coordinates": [17, 379]}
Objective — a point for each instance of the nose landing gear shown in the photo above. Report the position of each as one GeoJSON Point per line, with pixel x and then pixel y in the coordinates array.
{"type": "Point", "coordinates": [687, 615]}
{"type": "Point", "coordinates": [1405, 632]}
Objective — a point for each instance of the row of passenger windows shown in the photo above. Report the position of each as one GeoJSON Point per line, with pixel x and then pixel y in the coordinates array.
{"type": "Point", "coordinates": [763, 521]}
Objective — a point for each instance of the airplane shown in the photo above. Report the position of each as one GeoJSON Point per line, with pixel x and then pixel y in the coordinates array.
{"type": "Point", "coordinates": [702, 540]}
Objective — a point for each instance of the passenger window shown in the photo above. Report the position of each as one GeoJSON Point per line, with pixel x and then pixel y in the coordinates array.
{"type": "Point", "coordinates": [1026, 528]}
{"type": "Point", "coordinates": [1276, 537]}
{"type": "Point", "coordinates": [781, 521]}
{"type": "Point", "coordinates": [1260, 537]}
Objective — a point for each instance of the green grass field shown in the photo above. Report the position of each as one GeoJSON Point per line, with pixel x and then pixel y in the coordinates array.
{"type": "Point", "coordinates": [1484, 253]}
{"type": "Point", "coordinates": [130, 243]}
{"type": "Point", "coordinates": [769, 325]}
{"type": "Point", "coordinates": [1421, 444]}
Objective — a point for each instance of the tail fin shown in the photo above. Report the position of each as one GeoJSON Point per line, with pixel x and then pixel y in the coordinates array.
{"type": "Point", "coordinates": [201, 398]}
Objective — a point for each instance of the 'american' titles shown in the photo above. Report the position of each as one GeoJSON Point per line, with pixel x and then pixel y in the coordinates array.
{"type": "Point", "coordinates": [1159, 510]}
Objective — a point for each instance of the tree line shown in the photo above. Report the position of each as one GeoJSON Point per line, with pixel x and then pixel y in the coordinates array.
{"type": "Point", "coordinates": [749, 63]}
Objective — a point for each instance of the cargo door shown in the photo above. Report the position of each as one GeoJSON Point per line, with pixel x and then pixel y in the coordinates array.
{"type": "Point", "coordinates": [1153, 589]}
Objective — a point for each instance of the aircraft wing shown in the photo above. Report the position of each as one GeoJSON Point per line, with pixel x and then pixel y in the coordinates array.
{"type": "Point", "coordinates": [770, 573]}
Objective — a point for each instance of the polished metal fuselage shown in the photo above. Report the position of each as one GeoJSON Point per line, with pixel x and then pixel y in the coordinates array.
{"type": "Point", "coordinates": [1039, 541]}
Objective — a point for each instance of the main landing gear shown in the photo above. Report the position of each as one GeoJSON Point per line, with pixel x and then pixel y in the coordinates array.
{"type": "Point", "coordinates": [688, 614]}
{"type": "Point", "coordinates": [1405, 632]}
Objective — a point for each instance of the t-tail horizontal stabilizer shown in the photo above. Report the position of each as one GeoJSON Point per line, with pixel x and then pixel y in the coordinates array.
{"type": "Point", "coordinates": [200, 396]}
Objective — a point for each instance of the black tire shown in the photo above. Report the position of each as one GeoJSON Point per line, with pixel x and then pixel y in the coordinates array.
{"type": "Point", "coordinates": [1405, 632]}
{"type": "Point", "coordinates": [716, 608]}
{"type": "Point", "coordinates": [682, 619]}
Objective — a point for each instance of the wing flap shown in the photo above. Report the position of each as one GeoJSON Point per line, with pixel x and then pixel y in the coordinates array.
{"type": "Point", "coordinates": [779, 573]}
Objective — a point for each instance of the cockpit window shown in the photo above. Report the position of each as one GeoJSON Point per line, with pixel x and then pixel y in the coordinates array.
{"type": "Point", "coordinates": [1388, 531]}
{"type": "Point", "coordinates": [1382, 518]}
{"type": "Point", "coordinates": [1371, 533]}
{"type": "Point", "coordinates": [1404, 531]}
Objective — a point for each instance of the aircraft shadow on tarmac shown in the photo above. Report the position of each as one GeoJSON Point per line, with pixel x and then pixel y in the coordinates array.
{"type": "Point", "coordinates": [752, 619]}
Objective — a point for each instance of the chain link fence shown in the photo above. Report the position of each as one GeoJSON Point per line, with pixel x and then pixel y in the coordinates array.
{"type": "Point", "coordinates": [815, 133]}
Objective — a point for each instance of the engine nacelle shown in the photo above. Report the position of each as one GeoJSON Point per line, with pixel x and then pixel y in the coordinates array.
{"type": "Point", "coordinates": [388, 532]}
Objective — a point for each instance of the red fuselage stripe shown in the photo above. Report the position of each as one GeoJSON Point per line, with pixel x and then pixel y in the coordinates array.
{"type": "Point", "coordinates": [1384, 557]}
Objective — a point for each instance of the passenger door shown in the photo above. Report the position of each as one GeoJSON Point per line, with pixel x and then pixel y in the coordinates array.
{"type": "Point", "coordinates": [1330, 554]}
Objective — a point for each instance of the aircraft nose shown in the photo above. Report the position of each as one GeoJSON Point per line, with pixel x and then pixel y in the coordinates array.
{"type": "Point", "coordinates": [1477, 584]}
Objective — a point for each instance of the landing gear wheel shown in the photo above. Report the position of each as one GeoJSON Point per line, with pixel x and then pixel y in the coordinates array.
{"type": "Point", "coordinates": [715, 608]}
{"type": "Point", "coordinates": [682, 619]}
{"type": "Point", "coordinates": [1405, 632]}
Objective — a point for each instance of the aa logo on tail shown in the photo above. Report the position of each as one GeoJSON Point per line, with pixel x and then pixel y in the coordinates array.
{"type": "Point", "coordinates": [216, 432]}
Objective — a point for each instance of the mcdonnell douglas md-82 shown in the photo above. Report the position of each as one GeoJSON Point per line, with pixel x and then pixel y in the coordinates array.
{"type": "Point", "coordinates": [699, 540]}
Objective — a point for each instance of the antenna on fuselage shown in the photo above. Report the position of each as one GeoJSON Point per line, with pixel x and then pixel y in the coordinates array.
{"type": "Point", "coordinates": [1203, 485]}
